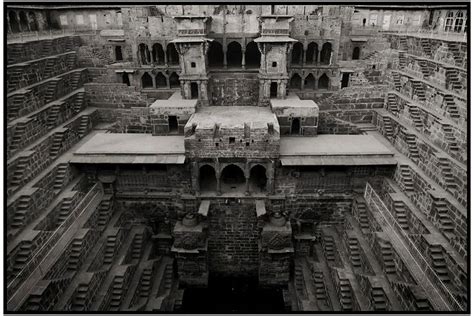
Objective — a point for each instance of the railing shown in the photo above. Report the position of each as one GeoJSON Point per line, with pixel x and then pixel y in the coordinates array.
{"type": "Point", "coordinates": [374, 201]}
{"type": "Point", "coordinates": [22, 37]}
{"type": "Point", "coordinates": [442, 35]}
{"type": "Point", "coordinates": [35, 262]}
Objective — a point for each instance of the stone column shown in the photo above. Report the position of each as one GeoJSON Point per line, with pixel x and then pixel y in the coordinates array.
{"type": "Point", "coordinates": [225, 57]}
{"type": "Point", "coordinates": [304, 57]}
{"type": "Point", "coordinates": [218, 176]}
{"type": "Point", "coordinates": [19, 22]}
{"type": "Point", "coordinates": [166, 55]}
{"type": "Point", "coordinates": [302, 83]}
{"type": "Point", "coordinates": [195, 177]}
{"type": "Point", "coordinates": [8, 24]}
{"type": "Point", "coordinates": [168, 85]}
{"type": "Point", "coordinates": [203, 93]}
{"type": "Point", "coordinates": [153, 80]}
{"type": "Point", "coordinates": [243, 59]}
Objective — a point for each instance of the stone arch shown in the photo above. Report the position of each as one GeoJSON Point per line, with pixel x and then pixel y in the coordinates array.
{"type": "Point", "coordinates": [356, 53]}
{"type": "Point", "coordinates": [258, 178]}
{"type": "Point", "coordinates": [194, 90]}
{"type": "Point", "coordinates": [295, 81]}
{"type": "Point", "coordinates": [144, 54]}
{"type": "Point", "coordinates": [160, 80]}
{"type": "Point", "coordinates": [297, 54]}
{"type": "Point", "coordinates": [158, 54]}
{"type": "Point", "coordinates": [252, 55]}
{"type": "Point", "coordinates": [147, 81]}
{"type": "Point", "coordinates": [234, 54]}
{"type": "Point", "coordinates": [215, 55]}
{"type": "Point", "coordinates": [172, 54]}
{"type": "Point", "coordinates": [207, 178]}
{"type": "Point", "coordinates": [312, 53]}
{"type": "Point", "coordinates": [14, 23]}
{"type": "Point", "coordinates": [295, 126]}
{"type": "Point", "coordinates": [232, 179]}
{"type": "Point", "coordinates": [273, 90]}
{"type": "Point", "coordinates": [24, 21]}
{"type": "Point", "coordinates": [174, 80]}
{"type": "Point", "coordinates": [32, 21]}
{"type": "Point", "coordinates": [323, 82]}
{"type": "Point", "coordinates": [326, 53]}
{"type": "Point", "coordinates": [309, 82]}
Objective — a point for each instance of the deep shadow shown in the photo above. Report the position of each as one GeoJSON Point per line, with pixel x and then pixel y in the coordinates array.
{"type": "Point", "coordinates": [232, 295]}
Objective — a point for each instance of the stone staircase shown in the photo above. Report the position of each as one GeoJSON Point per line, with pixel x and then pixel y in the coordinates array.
{"type": "Point", "coordinates": [321, 292]}
{"type": "Point", "coordinates": [450, 139]}
{"type": "Point", "coordinates": [79, 301]}
{"type": "Point", "coordinates": [18, 137]}
{"type": "Point", "coordinates": [21, 211]}
{"type": "Point", "coordinates": [14, 77]}
{"type": "Point", "coordinates": [419, 90]}
{"type": "Point", "coordinates": [168, 276]}
{"type": "Point", "coordinates": [79, 102]}
{"type": "Point", "coordinates": [362, 210]}
{"type": "Point", "coordinates": [46, 48]}
{"type": "Point", "coordinates": [57, 143]}
{"type": "Point", "coordinates": [426, 46]}
{"type": "Point", "coordinates": [387, 257]}
{"type": "Point", "coordinates": [329, 251]}
{"type": "Point", "coordinates": [415, 116]}
{"type": "Point", "coordinates": [438, 263]}
{"type": "Point", "coordinates": [64, 211]}
{"type": "Point", "coordinates": [424, 68]}
{"type": "Point", "coordinates": [19, 171]}
{"type": "Point", "coordinates": [61, 172]}
{"type": "Point", "coordinates": [84, 125]}
{"type": "Point", "coordinates": [401, 214]}
{"type": "Point", "coordinates": [117, 292]}
{"type": "Point", "coordinates": [110, 249]}
{"type": "Point", "coordinates": [396, 80]}
{"type": "Point", "coordinates": [454, 49]}
{"type": "Point", "coordinates": [49, 68]}
{"type": "Point", "coordinates": [71, 61]}
{"type": "Point", "coordinates": [50, 94]}
{"type": "Point", "coordinates": [452, 80]}
{"type": "Point", "coordinates": [34, 303]}
{"type": "Point", "coordinates": [354, 252]}
{"type": "Point", "coordinates": [387, 126]}
{"type": "Point", "coordinates": [404, 43]}
{"type": "Point", "coordinates": [392, 103]}
{"type": "Point", "coordinates": [145, 282]}
{"type": "Point", "coordinates": [53, 116]}
{"type": "Point", "coordinates": [345, 295]}
{"type": "Point", "coordinates": [104, 211]}
{"type": "Point", "coordinates": [75, 255]}
{"type": "Point", "coordinates": [406, 178]}
{"type": "Point", "coordinates": [13, 109]}
{"type": "Point", "coordinates": [379, 299]}
{"type": "Point", "coordinates": [370, 55]}
{"type": "Point", "coordinates": [402, 60]}
{"type": "Point", "coordinates": [21, 257]}
{"type": "Point", "coordinates": [446, 173]}
{"type": "Point", "coordinates": [451, 107]}
{"type": "Point", "coordinates": [76, 77]}
{"type": "Point", "coordinates": [299, 280]}
{"type": "Point", "coordinates": [446, 223]}
{"type": "Point", "coordinates": [137, 246]}
{"type": "Point", "coordinates": [412, 146]}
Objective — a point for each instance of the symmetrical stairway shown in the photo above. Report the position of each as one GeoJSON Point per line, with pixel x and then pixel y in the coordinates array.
{"type": "Point", "coordinates": [14, 107]}
{"type": "Point", "coordinates": [419, 90]}
{"type": "Point", "coordinates": [60, 175]}
{"type": "Point", "coordinates": [354, 252]}
{"type": "Point", "coordinates": [392, 103]}
{"type": "Point", "coordinates": [387, 257]}
{"type": "Point", "coordinates": [379, 299]}
{"type": "Point", "coordinates": [110, 249]}
{"type": "Point", "coordinates": [345, 295]}
{"type": "Point", "coordinates": [137, 246]}
{"type": "Point", "coordinates": [329, 251]}
{"type": "Point", "coordinates": [75, 255]}
{"type": "Point", "coordinates": [396, 80]}
{"type": "Point", "coordinates": [18, 137]}
{"type": "Point", "coordinates": [415, 116]}
{"type": "Point", "coordinates": [452, 79]}
{"type": "Point", "coordinates": [424, 68]}
{"type": "Point", "coordinates": [84, 126]}
{"type": "Point", "coordinates": [57, 143]}
{"type": "Point", "coordinates": [321, 292]}
{"type": "Point", "coordinates": [451, 107]}
{"type": "Point", "coordinates": [402, 60]}
{"type": "Point", "coordinates": [412, 146]}
{"type": "Point", "coordinates": [404, 43]}
{"type": "Point", "coordinates": [21, 257]}
{"type": "Point", "coordinates": [104, 210]}
{"type": "Point", "coordinates": [439, 263]}
{"type": "Point", "coordinates": [79, 300]}
{"type": "Point", "coordinates": [53, 116]}
{"type": "Point", "coordinates": [387, 126]}
{"type": "Point", "coordinates": [446, 173]}
{"type": "Point", "coordinates": [406, 178]}
{"type": "Point", "coordinates": [145, 282]}
{"type": "Point", "coordinates": [79, 102]}
{"type": "Point", "coordinates": [19, 171]}
{"type": "Point", "coordinates": [426, 46]}
{"type": "Point", "coordinates": [450, 139]}
{"type": "Point", "coordinates": [117, 291]}
{"type": "Point", "coordinates": [21, 211]}
{"type": "Point", "coordinates": [64, 211]}
{"type": "Point", "coordinates": [446, 223]}
{"type": "Point", "coordinates": [362, 209]}
{"type": "Point", "coordinates": [401, 214]}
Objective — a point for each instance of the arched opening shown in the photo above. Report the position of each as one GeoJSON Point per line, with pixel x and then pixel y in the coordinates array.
{"type": "Point", "coordinates": [364, 21]}
{"type": "Point", "coordinates": [14, 25]}
{"type": "Point", "coordinates": [194, 90]}
{"type": "Point", "coordinates": [147, 81]}
{"type": "Point", "coordinates": [158, 54]}
{"type": "Point", "coordinates": [125, 79]}
{"type": "Point", "coordinates": [118, 53]}
{"type": "Point", "coordinates": [215, 55]}
{"type": "Point", "coordinates": [309, 82]}
{"type": "Point", "coordinates": [273, 90]}
{"type": "Point", "coordinates": [207, 178]}
{"type": "Point", "coordinates": [232, 179]}
{"type": "Point", "coordinates": [295, 82]}
{"type": "Point", "coordinates": [252, 55]}
{"type": "Point", "coordinates": [160, 80]}
{"type": "Point", "coordinates": [24, 21]}
{"type": "Point", "coordinates": [295, 126]}
{"type": "Point", "coordinates": [297, 54]}
{"type": "Point", "coordinates": [143, 53]}
{"type": "Point", "coordinates": [323, 82]}
{"type": "Point", "coordinates": [174, 80]}
{"type": "Point", "coordinates": [33, 22]}
{"type": "Point", "coordinates": [326, 53]}
{"type": "Point", "coordinates": [459, 21]}
{"type": "Point", "coordinates": [234, 54]}
{"type": "Point", "coordinates": [312, 53]}
{"type": "Point", "coordinates": [448, 24]}
{"type": "Point", "coordinates": [356, 53]}
{"type": "Point", "coordinates": [172, 53]}
{"type": "Point", "coordinates": [258, 179]}
{"type": "Point", "coordinates": [172, 124]}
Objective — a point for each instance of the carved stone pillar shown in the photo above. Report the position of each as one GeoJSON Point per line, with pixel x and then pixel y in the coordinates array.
{"type": "Point", "coordinates": [276, 252]}
{"type": "Point", "coordinates": [243, 59]}
{"type": "Point", "coordinates": [190, 248]}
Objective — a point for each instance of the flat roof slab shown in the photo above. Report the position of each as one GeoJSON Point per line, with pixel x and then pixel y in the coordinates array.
{"type": "Point", "coordinates": [131, 148]}
{"type": "Point", "coordinates": [233, 117]}
{"type": "Point", "coordinates": [294, 106]}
